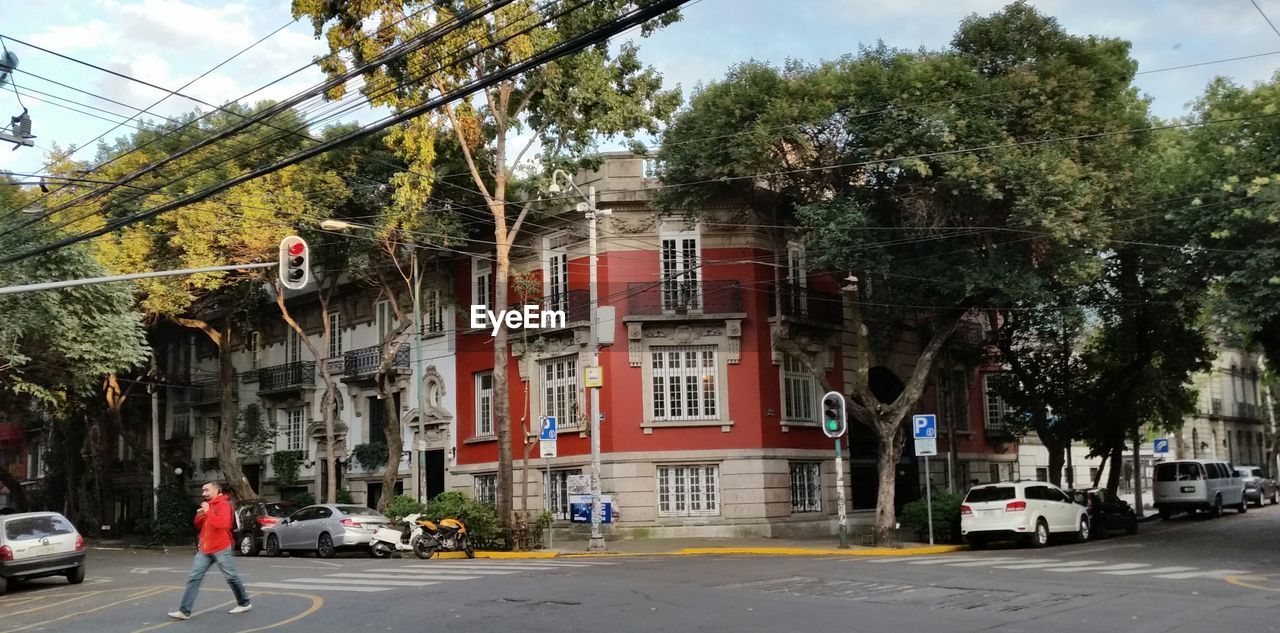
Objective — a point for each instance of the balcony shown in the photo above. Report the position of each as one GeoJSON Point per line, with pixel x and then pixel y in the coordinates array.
{"type": "Point", "coordinates": [679, 297]}
{"type": "Point", "coordinates": [1250, 411]}
{"type": "Point", "coordinates": [1215, 406]}
{"type": "Point", "coordinates": [805, 304]}
{"type": "Point", "coordinates": [362, 364]}
{"type": "Point", "coordinates": [286, 378]}
{"type": "Point", "coordinates": [201, 393]}
{"type": "Point", "coordinates": [576, 305]}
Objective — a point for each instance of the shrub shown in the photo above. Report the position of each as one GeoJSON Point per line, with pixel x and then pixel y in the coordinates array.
{"type": "Point", "coordinates": [371, 456]}
{"type": "Point", "coordinates": [172, 524]}
{"type": "Point", "coordinates": [946, 518]}
{"type": "Point", "coordinates": [402, 506]}
{"type": "Point", "coordinates": [480, 518]}
{"type": "Point", "coordinates": [303, 499]}
{"type": "Point", "coordinates": [344, 496]}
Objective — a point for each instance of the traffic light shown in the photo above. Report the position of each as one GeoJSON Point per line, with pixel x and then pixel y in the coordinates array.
{"type": "Point", "coordinates": [834, 423]}
{"type": "Point", "coordinates": [295, 263]}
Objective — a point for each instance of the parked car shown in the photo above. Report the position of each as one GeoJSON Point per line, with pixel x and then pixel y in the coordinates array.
{"type": "Point", "coordinates": [1107, 512]}
{"type": "Point", "coordinates": [1190, 485]}
{"type": "Point", "coordinates": [252, 517]}
{"type": "Point", "coordinates": [39, 544]}
{"type": "Point", "coordinates": [4, 511]}
{"type": "Point", "coordinates": [1258, 487]}
{"type": "Point", "coordinates": [1026, 511]}
{"type": "Point", "coordinates": [325, 529]}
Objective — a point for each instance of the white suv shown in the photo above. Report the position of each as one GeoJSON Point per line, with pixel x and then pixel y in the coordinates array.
{"type": "Point", "coordinates": [1028, 511]}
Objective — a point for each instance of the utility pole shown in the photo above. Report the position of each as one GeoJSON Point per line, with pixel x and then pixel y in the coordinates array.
{"type": "Point", "coordinates": [418, 375]}
{"type": "Point", "coordinates": [155, 441]}
{"type": "Point", "coordinates": [596, 544]}
{"type": "Point", "coordinates": [1137, 473]}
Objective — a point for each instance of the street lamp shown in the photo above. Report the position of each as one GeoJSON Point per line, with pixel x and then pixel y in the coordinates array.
{"type": "Point", "coordinates": [418, 353]}
{"type": "Point", "coordinates": [588, 208]}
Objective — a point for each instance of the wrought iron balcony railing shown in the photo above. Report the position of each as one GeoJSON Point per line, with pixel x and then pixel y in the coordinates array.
{"type": "Point", "coordinates": [287, 376]}
{"type": "Point", "coordinates": [681, 297]}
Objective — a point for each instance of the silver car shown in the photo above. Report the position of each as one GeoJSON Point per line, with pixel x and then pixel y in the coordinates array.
{"type": "Point", "coordinates": [1258, 488]}
{"type": "Point", "coordinates": [325, 529]}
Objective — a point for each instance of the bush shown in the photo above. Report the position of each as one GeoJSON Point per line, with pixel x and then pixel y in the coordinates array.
{"type": "Point", "coordinates": [344, 496]}
{"type": "Point", "coordinates": [173, 525]}
{"type": "Point", "coordinates": [480, 518]}
{"type": "Point", "coordinates": [402, 506]}
{"type": "Point", "coordinates": [946, 518]}
{"type": "Point", "coordinates": [303, 499]}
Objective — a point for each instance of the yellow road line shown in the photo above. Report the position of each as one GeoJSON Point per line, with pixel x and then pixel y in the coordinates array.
{"type": "Point", "coordinates": [145, 593]}
{"type": "Point", "coordinates": [172, 621]}
{"type": "Point", "coordinates": [1240, 581]}
{"type": "Point", "coordinates": [66, 599]}
{"type": "Point", "coordinates": [316, 603]}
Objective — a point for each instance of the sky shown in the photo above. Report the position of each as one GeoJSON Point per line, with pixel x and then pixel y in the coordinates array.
{"type": "Point", "coordinates": [170, 42]}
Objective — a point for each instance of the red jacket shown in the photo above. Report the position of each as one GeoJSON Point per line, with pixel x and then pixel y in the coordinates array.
{"type": "Point", "coordinates": [215, 525]}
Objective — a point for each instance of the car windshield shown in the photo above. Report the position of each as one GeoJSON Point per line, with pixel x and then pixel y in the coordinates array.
{"type": "Point", "coordinates": [360, 510]}
{"type": "Point", "coordinates": [279, 509]}
{"type": "Point", "coordinates": [990, 493]}
{"type": "Point", "coordinates": [38, 527]}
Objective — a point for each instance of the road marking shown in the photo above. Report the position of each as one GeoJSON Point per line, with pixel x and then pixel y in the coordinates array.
{"type": "Point", "coordinates": [940, 560]}
{"type": "Point", "coordinates": [1157, 570]}
{"type": "Point", "coordinates": [316, 603]}
{"type": "Point", "coordinates": [1104, 568]}
{"type": "Point", "coordinates": [425, 570]}
{"type": "Point", "coordinates": [375, 583]}
{"type": "Point", "coordinates": [1079, 563]}
{"type": "Point", "coordinates": [144, 593]}
{"type": "Point", "coordinates": [172, 622]}
{"type": "Point", "coordinates": [1215, 573]}
{"type": "Point", "coordinates": [278, 585]}
{"type": "Point", "coordinates": [1000, 561]}
{"type": "Point", "coordinates": [417, 576]}
{"type": "Point", "coordinates": [484, 566]}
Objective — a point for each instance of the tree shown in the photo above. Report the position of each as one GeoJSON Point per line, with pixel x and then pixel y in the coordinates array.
{"type": "Point", "coordinates": [563, 106]}
{"type": "Point", "coordinates": [884, 178]}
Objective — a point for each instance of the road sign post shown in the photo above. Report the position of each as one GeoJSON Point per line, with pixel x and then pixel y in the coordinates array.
{"type": "Point", "coordinates": [547, 447]}
{"type": "Point", "coordinates": [925, 431]}
{"type": "Point", "coordinates": [835, 425]}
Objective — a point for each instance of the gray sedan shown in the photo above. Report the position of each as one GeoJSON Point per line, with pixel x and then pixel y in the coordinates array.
{"type": "Point", "coordinates": [325, 529]}
{"type": "Point", "coordinates": [1258, 488]}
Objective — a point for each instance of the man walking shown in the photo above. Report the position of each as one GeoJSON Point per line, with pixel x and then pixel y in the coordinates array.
{"type": "Point", "coordinates": [213, 521]}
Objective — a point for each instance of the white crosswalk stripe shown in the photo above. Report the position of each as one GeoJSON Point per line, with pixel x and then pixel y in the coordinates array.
{"type": "Point", "coordinates": [1078, 563]}
{"type": "Point", "coordinates": [996, 561]}
{"type": "Point", "coordinates": [1156, 570]}
{"type": "Point", "coordinates": [1060, 566]}
{"type": "Point", "coordinates": [392, 576]}
{"type": "Point", "coordinates": [1216, 573]}
{"type": "Point", "coordinates": [1116, 567]}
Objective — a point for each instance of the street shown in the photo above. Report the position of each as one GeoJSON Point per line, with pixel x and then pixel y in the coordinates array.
{"type": "Point", "coordinates": [1183, 575]}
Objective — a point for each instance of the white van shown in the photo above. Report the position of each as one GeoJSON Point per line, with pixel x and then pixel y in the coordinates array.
{"type": "Point", "coordinates": [1189, 485]}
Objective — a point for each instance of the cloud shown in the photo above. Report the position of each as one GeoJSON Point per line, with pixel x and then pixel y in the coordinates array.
{"type": "Point", "coordinates": [89, 35]}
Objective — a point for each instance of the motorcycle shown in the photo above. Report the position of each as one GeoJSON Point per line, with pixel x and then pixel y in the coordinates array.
{"type": "Point", "coordinates": [450, 535]}
{"type": "Point", "coordinates": [389, 539]}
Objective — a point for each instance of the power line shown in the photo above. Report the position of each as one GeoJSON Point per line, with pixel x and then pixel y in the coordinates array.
{"type": "Point", "coordinates": [1264, 16]}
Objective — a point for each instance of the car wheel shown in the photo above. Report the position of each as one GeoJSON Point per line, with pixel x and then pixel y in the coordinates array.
{"type": "Point", "coordinates": [1041, 536]}
{"type": "Point", "coordinates": [1082, 534]}
{"type": "Point", "coordinates": [248, 545]}
{"type": "Point", "coordinates": [4, 585]}
{"type": "Point", "coordinates": [976, 542]}
{"type": "Point", "coordinates": [1244, 504]}
{"type": "Point", "coordinates": [1133, 524]}
{"type": "Point", "coordinates": [1217, 506]}
{"type": "Point", "coordinates": [75, 576]}
{"type": "Point", "coordinates": [1100, 529]}
{"type": "Point", "coordinates": [273, 546]}
{"type": "Point", "coordinates": [1164, 515]}
{"type": "Point", "coordinates": [324, 546]}
{"type": "Point", "coordinates": [1275, 496]}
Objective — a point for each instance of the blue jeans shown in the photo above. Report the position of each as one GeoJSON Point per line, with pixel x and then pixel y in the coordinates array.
{"type": "Point", "coordinates": [200, 565]}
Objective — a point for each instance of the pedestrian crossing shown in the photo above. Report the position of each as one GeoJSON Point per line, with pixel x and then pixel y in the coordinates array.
{"type": "Point", "coordinates": [391, 575]}
{"type": "Point", "coordinates": [1063, 566]}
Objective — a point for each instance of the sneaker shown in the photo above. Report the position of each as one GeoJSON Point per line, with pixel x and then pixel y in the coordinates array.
{"type": "Point", "coordinates": [178, 615]}
{"type": "Point", "coordinates": [241, 608]}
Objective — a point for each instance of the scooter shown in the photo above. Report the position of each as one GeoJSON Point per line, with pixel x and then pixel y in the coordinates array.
{"type": "Point", "coordinates": [450, 535]}
{"type": "Point", "coordinates": [389, 539]}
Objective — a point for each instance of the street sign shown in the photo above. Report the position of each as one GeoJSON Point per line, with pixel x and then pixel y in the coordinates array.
{"type": "Point", "coordinates": [579, 485]}
{"type": "Point", "coordinates": [924, 426]}
{"type": "Point", "coordinates": [1160, 446]}
{"type": "Point", "coordinates": [548, 432]}
{"type": "Point", "coordinates": [593, 377]}
{"type": "Point", "coordinates": [926, 447]}
{"type": "Point", "coordinates": [548, 448]}
{"type": "Point", "coordinates": [580, 509]}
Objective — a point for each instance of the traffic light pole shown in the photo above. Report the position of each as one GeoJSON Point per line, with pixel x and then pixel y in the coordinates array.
{"type": "Point", "coordinates": [840, 505]}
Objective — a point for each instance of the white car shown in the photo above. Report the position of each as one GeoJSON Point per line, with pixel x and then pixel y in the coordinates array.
{"type": "Point", "coordinates": [38, 544]}
{"type": "Point", "coordinates": [1028, 511]}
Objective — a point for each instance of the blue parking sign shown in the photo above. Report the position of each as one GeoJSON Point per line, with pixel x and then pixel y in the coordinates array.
{"type": "Point", "coordinates": [548, 432]}
{"type": "Point", "coordinates": [1160, 445]}
{"type": "Point", "coordinates": [924, 427]}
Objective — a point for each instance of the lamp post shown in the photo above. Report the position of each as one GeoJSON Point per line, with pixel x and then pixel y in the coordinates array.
{"type": "Point", "coordinates": [591, 213]}
{"type": "Point", "coordinates": [418, 353]}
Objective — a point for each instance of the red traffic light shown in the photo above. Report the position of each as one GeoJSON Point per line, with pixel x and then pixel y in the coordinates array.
{"type": "Point", "coordinates": [297, 248]}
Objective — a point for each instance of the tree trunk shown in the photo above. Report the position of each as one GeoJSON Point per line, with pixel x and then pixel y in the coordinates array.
{"type": "Point", "coordinates": [15, 490]}
{"type": "Point", "coordinates": [1057, 458]}
{"type": "Point", "coordinates": [501, 399]}
{"type": "Point", "coordinates": [228, 458]}
{"type": "Point", "coordinates": [1117, 467]}
{"type": "Point", "coordinates": [889, 453]}
{"type": "Point", "coordinates": [329, 400]}
{"type": "Point", "coordinates": [395, 443]}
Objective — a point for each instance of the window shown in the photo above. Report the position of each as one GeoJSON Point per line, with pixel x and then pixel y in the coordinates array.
{"type": "Point", "coordinates": [482, 282]}
{"type": "Point", "coordinates": [293, 347]}
{"type": "Point", "coordinates": [688, 491]}
{"type": "Point", "coordinates": [484, 404]}
{"type": "Point", "coordinates": [987, 494]}
{"type": "Point", "coordinates": [555, 264]}
{"type": "Point", "coordinates": [181, 426]}
{"type": "Point", "coordinates": [681, 291]}
{"type": "Point", "coordinates": [255, 349]}
{"type": "Point", "coordinates": [685, 382]}
{"type": "Point", "coordinates": [995, 472]}
{"type": "Point", "coordinates": [384, 318]}
{"type": "Point", "coordinates": [35, 461]}
{"type": "Point", "coordinates": [486, 488]}
{"type": "Point", "coordinates": [560, 389]}
{"type": "Point", "coordinates": [1042, 474]}
{"type": "Point", "coordinates": [799, 391]}
{"type": "Point", "coordinates": [995, 404]}
{"type": "Point", "coordinates": [558, 489]}
{"type": "Point", "coordinates": [432, 312]}
{"type": "Point", "coordinates": [294, 430]}
{"type": "Point", "coordinates": [335, 335]}
{"type": "Point", "coordinates": [806, 487]}
{"type": "Point", "coordinates": [1093, 475]}
{"type": "Point", "coordinates": [797, 280]}
{"type": "Point", "coordinates": [378, 417]}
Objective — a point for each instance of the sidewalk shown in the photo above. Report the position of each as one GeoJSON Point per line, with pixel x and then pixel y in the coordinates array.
{"type": "Point", "coordinates": [713, 546]}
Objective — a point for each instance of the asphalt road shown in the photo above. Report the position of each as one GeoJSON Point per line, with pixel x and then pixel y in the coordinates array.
{"type": "Point", "coordinates": [1188, 575]}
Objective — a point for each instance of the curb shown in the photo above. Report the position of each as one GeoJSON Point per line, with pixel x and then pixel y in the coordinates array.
{"type": "Point", "coordinates": [722, 551]}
